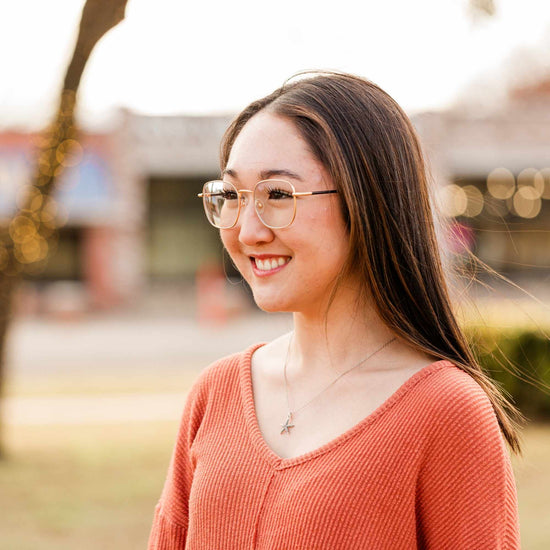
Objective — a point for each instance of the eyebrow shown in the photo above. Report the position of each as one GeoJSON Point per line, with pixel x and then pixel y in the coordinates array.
{"type": "Point", "coordinates": [266, 174]}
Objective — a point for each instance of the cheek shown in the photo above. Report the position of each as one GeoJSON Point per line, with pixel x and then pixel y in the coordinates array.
{"type": "Point", "coordinates": [332, 234]}
{"type": "Point", "coordinates": [226, 239]}
{"type": "Point", "coordinates": [230, 242]}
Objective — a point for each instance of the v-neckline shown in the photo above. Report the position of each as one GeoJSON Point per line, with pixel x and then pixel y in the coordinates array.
{"type": "Point", "coordinates": [278, 462]}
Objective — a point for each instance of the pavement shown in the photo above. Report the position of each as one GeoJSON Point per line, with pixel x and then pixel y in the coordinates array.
{"type": "Point", "coordinates": [125, 350]}
{"type": "Point", "coordinates": [136, 364]}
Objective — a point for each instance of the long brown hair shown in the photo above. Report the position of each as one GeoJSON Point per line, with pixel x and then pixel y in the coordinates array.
{"type": "Point", "coordinates": [372, 153]}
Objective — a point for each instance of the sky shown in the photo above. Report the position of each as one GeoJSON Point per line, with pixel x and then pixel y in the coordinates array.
{"type": "Point", "coordinates": [215, 56]}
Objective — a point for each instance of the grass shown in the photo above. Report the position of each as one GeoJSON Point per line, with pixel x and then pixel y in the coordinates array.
{"type": "Point", "coordinates": [533, 483]}
{"type": "Point", "coordinates": [89, 487]}
{"type": "Point", "coordinates": [82, 487]}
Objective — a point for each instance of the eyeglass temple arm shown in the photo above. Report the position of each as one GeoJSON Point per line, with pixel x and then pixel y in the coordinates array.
{"type": "Point", "coordinates": [307, 193]}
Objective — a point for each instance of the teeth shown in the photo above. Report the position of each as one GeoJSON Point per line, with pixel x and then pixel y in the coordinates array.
{"type": "Point", "coordinates": [270, 263]}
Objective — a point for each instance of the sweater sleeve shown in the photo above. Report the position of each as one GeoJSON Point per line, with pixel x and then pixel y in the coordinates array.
{"type": "Point", "coordinates": [169, 530]}
{"type": "Point", "coordinates": [466, 494]}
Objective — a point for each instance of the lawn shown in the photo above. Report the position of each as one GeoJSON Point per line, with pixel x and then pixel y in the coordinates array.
{"type": "Point", "coordinates": [82, 487]}
{"type": "Point", "coordinates": [533, 482]}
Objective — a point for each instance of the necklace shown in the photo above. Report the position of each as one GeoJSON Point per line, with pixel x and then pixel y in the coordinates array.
{"type": "Point", "coordinates": [288, 425]}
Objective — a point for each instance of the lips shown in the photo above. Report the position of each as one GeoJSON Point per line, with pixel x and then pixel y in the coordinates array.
{"type": "Point", "coordinates": [268, 264]}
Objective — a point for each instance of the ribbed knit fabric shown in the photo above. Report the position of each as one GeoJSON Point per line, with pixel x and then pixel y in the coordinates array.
{"type": "Point", "coordinates": [427, 469]}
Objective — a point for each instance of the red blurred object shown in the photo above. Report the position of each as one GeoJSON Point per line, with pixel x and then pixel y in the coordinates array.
{"type": "Point", "coordinates": [212, 304]}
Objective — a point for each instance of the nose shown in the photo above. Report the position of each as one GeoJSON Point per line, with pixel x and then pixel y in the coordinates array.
{"type": "Point", "coordinates": [251, 229]}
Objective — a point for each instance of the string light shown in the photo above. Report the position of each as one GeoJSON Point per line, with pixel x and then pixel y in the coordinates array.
{"type": "Point", "coordinates": [529, 177]}
{"type": "Point", "coordinates": [32, 234]}
{"type": "Point", "coordinates": [475, 201]}
{"type": "Point", "coordinates": [501, 183]}
{"type": "Point", "coordinates": [453, 200]}
{"type": "Point", "coordinates": [545, 175]}
{"type": "Point", "coordinates": [527, 202]}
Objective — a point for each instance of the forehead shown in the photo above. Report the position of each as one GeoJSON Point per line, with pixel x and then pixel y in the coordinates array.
{"type": "Point", "coordinates": [269, 142]}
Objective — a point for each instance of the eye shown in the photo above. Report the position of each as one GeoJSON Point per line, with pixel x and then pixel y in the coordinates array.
{"type": "Point", "coordinates": [229, 194]}
{"type": "Point", "coordinates": [276, 193]}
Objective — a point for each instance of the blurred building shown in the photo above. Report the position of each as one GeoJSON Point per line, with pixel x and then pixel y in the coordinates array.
{"type": "Point", "coordinates": [128, 211]}
{"type": "Point", "coordinates": [172, 157]}
{"type": "Point", "coordinates": [131, 219]}
{"type": "Point", "coordinates": [493, 171]}
{"type": "Point", "coordinates": [89, 265]}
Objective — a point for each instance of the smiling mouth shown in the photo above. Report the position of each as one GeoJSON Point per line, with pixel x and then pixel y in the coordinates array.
{"type": "Point", "coordinates": [269, 264]}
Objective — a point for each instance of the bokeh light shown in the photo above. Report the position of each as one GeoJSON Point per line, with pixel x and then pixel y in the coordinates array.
{"type": "Point", "coordinates": [453, 200]}
{"type": "Point", "coordinates": [495, 207]}
{"type": "Point", "coordinates": [22, 229]}
{"type": "Point", "coordinates": [545, 175]}
{"type": "Point", "coordinates": [69, 153]}
{"type": "Point", "coordinates": [530, 177]}
{"type": "Point", "coordinates": [28, 195]}
{"type": "Point", "coordinates": [475, 201]}
{"type": "Point", "coordinates": [49, 211]}
{"type": "Point", "coordinates": [501, 183]}
{"type": "Point", "coordinates": [527, 202]}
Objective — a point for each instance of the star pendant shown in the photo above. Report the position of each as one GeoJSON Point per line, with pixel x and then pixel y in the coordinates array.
{"type": "Point", "coordinates": [287, 425]}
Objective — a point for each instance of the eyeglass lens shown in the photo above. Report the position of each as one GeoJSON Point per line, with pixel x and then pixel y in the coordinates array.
{"type": "Point", "coordinates": [273, 201]}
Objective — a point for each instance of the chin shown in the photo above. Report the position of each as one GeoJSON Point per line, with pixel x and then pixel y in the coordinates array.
{"type": "Point", "coordinates": [271, 305]}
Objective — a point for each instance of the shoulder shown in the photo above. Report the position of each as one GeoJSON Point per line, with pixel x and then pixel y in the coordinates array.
{"type": "Point", "coordinates": [457, 410]}
{"type": "Point", "coordinates": [223, 373]}
{"type": "Point", "coordinates": [450, 391]}
{"type": "Point", "coordinates": [465, 491]}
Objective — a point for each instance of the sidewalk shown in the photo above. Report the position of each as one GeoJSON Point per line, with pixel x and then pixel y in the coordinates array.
{"type": "Point", "coordinates": [85, 409]}
{"type": "Point", "coordinates": [136, 342]}
{"type": "Point", "coordinates": [121, 347]}
{"type": "Point", "coordinates": [130, 366]}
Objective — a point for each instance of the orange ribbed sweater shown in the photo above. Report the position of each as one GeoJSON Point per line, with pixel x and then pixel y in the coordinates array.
{"type": "Point", "coordinates": [427, 469]}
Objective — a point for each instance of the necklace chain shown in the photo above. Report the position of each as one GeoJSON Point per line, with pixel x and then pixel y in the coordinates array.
{"type": "Point", "coordinates": [288, 423]}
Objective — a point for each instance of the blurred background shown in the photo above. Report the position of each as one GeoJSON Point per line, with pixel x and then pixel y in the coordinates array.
{"type": "Point", "coordinates": [132, 295]}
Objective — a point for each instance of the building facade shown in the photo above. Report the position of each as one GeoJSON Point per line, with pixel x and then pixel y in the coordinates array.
{"type": "Point", "coordinates": [492, 172]}
{"type": "Point", "coordinates": [130, 218]}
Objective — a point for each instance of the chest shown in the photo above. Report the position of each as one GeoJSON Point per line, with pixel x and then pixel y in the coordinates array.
{"type": "Point", "coordinates": [319, 418]}
{"type": "Point", "coordinates": [354, 493]}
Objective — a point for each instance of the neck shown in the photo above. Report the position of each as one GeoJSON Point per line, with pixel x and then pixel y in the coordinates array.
{"type": "Point", "coordinates": [338, 339]}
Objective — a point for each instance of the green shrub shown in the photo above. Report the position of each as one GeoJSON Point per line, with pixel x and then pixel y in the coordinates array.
{"type": "Point", "coordinates": [518, 359]}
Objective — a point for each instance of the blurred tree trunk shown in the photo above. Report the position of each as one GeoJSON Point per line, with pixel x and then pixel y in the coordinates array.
{"type": "Point", "coordinates": [24, 242]}
{"type": "Point", "coordinates": [482, 7]}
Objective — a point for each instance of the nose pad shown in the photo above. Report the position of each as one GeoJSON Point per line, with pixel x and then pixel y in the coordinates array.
{"type": "Point", "coordinates": [259, 206]}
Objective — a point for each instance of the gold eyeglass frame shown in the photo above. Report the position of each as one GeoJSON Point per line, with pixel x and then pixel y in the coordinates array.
{"type": "Point", "coordinates": [241, 196]}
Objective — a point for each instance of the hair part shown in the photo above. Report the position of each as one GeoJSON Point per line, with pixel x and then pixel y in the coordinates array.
{"type": "Point", "coordinates": [371, 151]}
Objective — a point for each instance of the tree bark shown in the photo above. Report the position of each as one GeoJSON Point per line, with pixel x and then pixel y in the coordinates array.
{"type": "Point", "coordinates": [24, 242]}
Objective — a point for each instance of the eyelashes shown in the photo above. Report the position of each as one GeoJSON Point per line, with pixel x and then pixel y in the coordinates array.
{"type": "Point", "coordinates": [278, 193]}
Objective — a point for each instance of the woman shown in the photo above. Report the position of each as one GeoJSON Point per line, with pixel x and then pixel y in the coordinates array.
{"type": "Point", "coordinates": [370, 426]}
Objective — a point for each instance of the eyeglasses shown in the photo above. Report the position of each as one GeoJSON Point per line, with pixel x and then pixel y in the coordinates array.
{"type": "Point", "coordinates": [274, 202]}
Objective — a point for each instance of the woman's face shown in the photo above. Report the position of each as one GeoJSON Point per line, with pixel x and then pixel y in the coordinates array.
{"type": "Point", "coordinates": [306, 256]}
